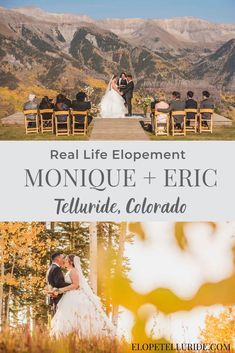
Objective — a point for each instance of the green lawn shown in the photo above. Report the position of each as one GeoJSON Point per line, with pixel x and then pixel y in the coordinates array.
{"type": "Point", "coordinates": [223, 133]}
{"type": "Point", "coordinates": [18, 134]}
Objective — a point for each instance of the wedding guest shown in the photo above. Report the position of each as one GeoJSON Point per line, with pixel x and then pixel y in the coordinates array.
{"type": "Point", "coordinates": [81, 104]}
{"type": "Point", "coordinates": [162, 104]}
{"type": "Point", "coordinates": [60, 106]}
{"type": "Point", "coordinates": [67, 101]}
{"type": "Point", "coordinates": [206, 103]}
{"type": "Point", "coordinates": [154, 102]}
{"type": "Point", "coordinates": [31, 104]}
{"type": "Point", "coordinates": [46, 103]}
{"type": "Point", "coordinates": [190, 104]}
{"type": "Point", "coordinates": [175, 105]}
{"type": "Point", "coordinates": [159, 102]}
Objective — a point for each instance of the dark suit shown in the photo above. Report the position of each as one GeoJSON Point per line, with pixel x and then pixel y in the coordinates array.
{"type": "Point", "coordinates": [46, 106]}
{"type": "Point", "coordinates": [190, 104]}
{"type": "Point", "coordinates": [176, 105]}
{"type": "Point", "coordinates": [81, 106]}
{"type": "Point", "coordinates": [67, 101]}
{"type": "Point", "coordinates": [206, 104]}
{"type": "Point", "coordinates": [128, 95]}
{"type": "Point", "coordinates": [56, 279]}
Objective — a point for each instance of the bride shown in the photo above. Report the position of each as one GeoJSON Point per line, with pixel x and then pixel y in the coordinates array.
{"type": "Point", "coordinates": [79, 310]}
{"type": "Point", "coordinates": [112, 103]}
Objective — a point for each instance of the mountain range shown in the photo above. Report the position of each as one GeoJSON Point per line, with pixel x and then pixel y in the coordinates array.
{"type": "Point", "coordinates": [66, 51]}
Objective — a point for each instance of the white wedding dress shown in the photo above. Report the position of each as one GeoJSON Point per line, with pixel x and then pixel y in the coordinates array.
{"type": "Point", "coordinates": [80, 311]}
{"type": "Point", "coordinates": [112, 104]}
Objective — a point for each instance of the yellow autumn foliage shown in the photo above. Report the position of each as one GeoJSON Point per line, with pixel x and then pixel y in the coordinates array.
{"type": "Point", "coordinates": [17, 239]}
{"type": "Point", "coordinates": [93, 82]}
{"type": "Point", "coordinates": [220, 328]}
{"type": "Point", "coordinates": [19, 96]}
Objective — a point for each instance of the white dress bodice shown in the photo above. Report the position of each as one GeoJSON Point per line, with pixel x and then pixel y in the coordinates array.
{"type": "Point", "coordinates": [67, 278]}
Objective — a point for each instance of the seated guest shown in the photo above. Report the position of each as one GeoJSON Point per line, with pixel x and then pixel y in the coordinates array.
{"type": "Point", "coordinates": [80, 104]}
{"type": "Point", "coordinates": [61, 105]}
{"type": "Point", "coordinates": [31, 104]}
{"type": "Point", "coordinates": [67, 101]}
{"type": "Point", "coordinates": [154, 102]}
{"type": "Point", "coordinates": [46, 103]}
{"type": "Point", "coordinates": [190, 104]}
{"type": "Point", "coordinates": [161, 104]}
{"type": "Point", "coordinates": [175, 105]}
{"type": "Point", "coordinates": [206, 103]}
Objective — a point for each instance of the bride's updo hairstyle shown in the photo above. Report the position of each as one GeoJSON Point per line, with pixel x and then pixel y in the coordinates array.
{"type": "Point", "coordinates": [71, 259]}
{"type": "Point", "coordinates": [114, 76]}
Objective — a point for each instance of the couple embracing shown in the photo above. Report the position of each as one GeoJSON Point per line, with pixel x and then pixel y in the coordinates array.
{"type": "Point", "coordinates": [76, 308]}
{"type": "Point", "coordinates": [117, 101]}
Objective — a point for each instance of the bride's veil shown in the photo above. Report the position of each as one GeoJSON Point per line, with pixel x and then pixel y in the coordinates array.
{"type": "Point", "coordinates": [109, 84]}
{"type": "Point", "coordinates": [83, 285]}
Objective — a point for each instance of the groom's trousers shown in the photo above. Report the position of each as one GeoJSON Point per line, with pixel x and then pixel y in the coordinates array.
{"type": "Point", "coordinates": [129, 106]}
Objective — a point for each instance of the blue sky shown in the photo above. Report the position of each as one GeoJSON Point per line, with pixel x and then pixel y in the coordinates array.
{"type": "Point", "coordinates": [212, 10]}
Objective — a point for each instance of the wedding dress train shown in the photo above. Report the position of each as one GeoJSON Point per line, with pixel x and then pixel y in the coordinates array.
{"type": "Point", "coordinates": [81, 311]}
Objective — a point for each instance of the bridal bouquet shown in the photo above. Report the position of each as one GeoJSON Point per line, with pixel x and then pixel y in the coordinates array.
{"type": "Point", "coordinates": [52, 292]}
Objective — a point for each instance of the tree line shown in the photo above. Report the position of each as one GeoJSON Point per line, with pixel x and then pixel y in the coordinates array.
{"type": "Point", "coordinates": [25, 251]}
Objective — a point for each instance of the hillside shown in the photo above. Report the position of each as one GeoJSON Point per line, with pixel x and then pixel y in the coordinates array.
{"type": "Point", "coordinates": [218, 68]}
{"type": "Point", "coordinates": [64, 52]}
{"type": "Point", "coordinates": [72, 53]}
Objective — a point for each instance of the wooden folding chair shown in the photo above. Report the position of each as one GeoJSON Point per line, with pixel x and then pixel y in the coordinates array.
{"type": "Point", "coordinates": [79, 127]}
{"type": "Point", "coordinates": [194, 121]}
{"type": "Point", "coordinates": [182, 131]}
{"type": "Point", "coordinates": [208, 122]}
{"type": "Point", "coordinates": [161, 129]}
{"type": "Point", "coordinates": [62, 127]}
{"type": "Point", "coordinates": [47, 124]}
{"type": "Point", "coordinates": [31, 125]}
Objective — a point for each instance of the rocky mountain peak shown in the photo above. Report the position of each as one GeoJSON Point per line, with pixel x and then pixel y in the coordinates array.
{"type": "Point", "coordinates": [38, 13]}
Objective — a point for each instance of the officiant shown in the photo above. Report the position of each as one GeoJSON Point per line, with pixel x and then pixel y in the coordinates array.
{"type": "Point", "coordinates": [122, 81]}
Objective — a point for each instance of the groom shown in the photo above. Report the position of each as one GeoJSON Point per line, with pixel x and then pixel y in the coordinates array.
{"type": "Point", "coordinates": [55, 278]}
{"type": "Point", "coordinates": [128, 93]}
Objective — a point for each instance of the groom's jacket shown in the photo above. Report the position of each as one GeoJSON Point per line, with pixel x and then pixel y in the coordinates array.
{"type": "Point", "coordinates": [56, 279]}
{"type": "Point", "coordinates": [128, 90]}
